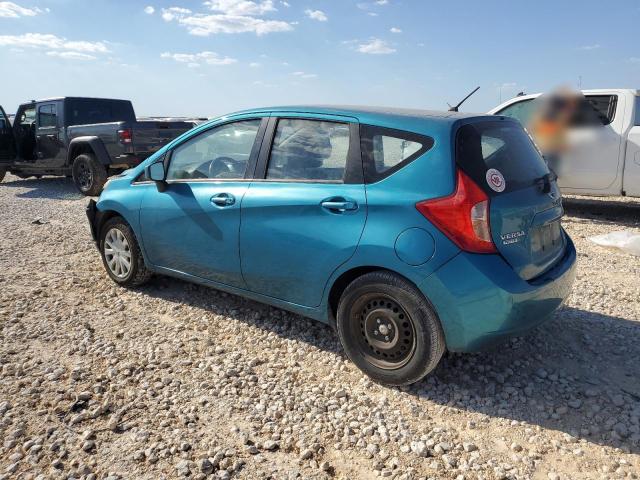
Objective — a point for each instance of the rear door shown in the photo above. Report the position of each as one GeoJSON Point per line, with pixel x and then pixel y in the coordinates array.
{"type": "Point", "coordinates": [525, 202]}
{"type": "Point", "coordinates": [7, 142]}
{"type": "Point", "coordinates": [50, 145]}
{"type": "Point", "coordinates": [593, 162]}
{"type": "Point", "coordinates": [303, 214]}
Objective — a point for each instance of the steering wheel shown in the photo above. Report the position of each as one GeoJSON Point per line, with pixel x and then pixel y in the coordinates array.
{"type": "Point", "coordinates": [222, 165]}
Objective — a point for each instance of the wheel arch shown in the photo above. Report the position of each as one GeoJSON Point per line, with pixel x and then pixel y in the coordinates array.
{"type": "Point", "coordinates": [348, 276]}
{"type": "Point", "coordinates": [90, 145]}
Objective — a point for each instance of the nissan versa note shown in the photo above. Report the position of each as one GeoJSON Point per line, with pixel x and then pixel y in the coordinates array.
{"type": "Point", "coordinates": [411, 232]}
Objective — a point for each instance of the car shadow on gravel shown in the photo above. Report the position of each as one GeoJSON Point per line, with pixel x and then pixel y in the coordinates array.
{"type": "Point", "coordinates": [53, 188]}
{"type": "Point", "coordinates": [578, 374]}
{"type": "Point", "coordinates": [603, 211]}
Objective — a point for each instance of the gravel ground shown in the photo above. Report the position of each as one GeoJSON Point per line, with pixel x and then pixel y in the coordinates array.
{"type": "Point", "coordinates": [176, 380]}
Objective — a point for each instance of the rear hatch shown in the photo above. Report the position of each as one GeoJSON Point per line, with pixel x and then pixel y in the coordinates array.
{"type": "Point", "coordinates": [525, 202]}
{"type": "Point", "coordinates": [150, 136]}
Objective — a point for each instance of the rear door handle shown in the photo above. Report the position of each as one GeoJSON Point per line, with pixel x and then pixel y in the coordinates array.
{"type": "Point", "coordinates": [223, 199]}
{"type": "Point", "coordinates": [336, 205]}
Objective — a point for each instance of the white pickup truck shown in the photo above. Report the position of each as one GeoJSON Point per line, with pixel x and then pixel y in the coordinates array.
{"type": "Point", "coordinates": [606, 161]}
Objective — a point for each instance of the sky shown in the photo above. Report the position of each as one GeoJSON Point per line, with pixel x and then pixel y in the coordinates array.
{"type": "Point", "coordinates": [208, 58]}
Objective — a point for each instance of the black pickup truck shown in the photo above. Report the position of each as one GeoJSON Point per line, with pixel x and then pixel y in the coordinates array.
{"type": "Point", "coordinates": [87, 138]}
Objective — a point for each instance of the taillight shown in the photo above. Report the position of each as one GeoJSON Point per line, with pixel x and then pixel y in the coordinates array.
{"type": "Point", "coordinates": [125, 136]}
{"type": "Point", "coordinates": [462, 216]}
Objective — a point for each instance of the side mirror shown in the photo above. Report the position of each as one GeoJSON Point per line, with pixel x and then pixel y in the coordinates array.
{"type": "Point", "coordinates": [156, 172]}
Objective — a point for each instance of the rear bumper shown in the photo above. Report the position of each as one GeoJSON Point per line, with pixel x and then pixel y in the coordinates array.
{"type": "Point", "coordinates": [481, 300]}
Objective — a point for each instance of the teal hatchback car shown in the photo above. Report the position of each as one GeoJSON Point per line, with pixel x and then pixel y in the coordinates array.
{"type": "Point", "coordinates": [412, 232]}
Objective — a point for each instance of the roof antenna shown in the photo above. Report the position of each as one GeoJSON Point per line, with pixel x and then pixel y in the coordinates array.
{"type": "Point", "coordinates": [455, 109]}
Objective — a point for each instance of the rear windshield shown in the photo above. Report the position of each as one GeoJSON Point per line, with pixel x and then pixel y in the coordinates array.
{"type": "Point", "coordinates": [87, 111]}
{"type": "Point", "coordinates": [499, 152]}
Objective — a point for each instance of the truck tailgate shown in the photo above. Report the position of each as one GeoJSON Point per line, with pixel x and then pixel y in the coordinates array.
{"type": "Point", "coordinates": [149, 136]}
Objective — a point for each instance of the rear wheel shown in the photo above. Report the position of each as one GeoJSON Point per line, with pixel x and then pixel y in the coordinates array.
{"type": "Point", "coordinates": [388, 329]}
{"type": "Point", "coordinates": [89, 175]}
{"type": "Point", "coordinates": [3, 172]}
{"type": "Point", "coordinates": [121, 254]}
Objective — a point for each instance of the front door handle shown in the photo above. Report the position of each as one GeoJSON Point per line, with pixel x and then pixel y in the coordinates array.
{"type": "Point", "coordinates": [223, 199]}
{"type": "Point", "coordinates": [339, 205]}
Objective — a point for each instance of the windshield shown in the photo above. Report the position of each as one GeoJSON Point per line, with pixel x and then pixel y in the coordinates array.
{"type": "Point", "coordinates": [500, 148]}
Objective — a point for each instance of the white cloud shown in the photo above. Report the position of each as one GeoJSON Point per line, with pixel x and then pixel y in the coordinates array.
{"type": "Point", "coordinates": [382, 2]}
{"type": "Point", "coordinates": [13, 10]}
{"type": "Point", "coordinates": [590, 47]}
{"type": "Point", "coordinates": [285, 4]}
{"type": "Point", "coordinates": [51, 42]}
{"type": "Point", "coordinates": [255, 64]}
{"type": "Point", "coordinates": [375, 46]}
{"type": "Point", "coordinates": [395, 30]}
{"type": "Point", "coordinates": [204, 25]}
{"type": "Point", "coordinates": [171, 13]}
{"type": "Point", "coordinates": [634, 60]}
{"type": "Point", "coordinates": [149, 10]}
{"type": "Point", "coordinates": [318, 15]}
{"type": "Point", "coordinates": [304, 75]}
{"type": "Point", "coordinates": [71, 55]}
{"type": "Point", "coordinates": [196, 59]}
{"type": "Point", "coordinates": [241, 7]}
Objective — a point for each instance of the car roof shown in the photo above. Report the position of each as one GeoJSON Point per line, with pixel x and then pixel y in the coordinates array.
{"type": "Point", "coordinates": [53, 99]}
{"type": "Point", "coordinates": [368, 114]}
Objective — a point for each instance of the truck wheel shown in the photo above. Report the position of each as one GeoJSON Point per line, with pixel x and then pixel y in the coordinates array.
{"type": "Point", "coordinates": [3, 172]}
{"type": "Point", "coordinates": [121, 254]}
{"type": "Point", "coordinates": [89, 175]}
{"type": "Point", "coordinates": [389, 329]}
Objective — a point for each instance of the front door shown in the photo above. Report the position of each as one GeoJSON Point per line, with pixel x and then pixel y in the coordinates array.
{"type": "Point", "coordinates": [304, 214]}
{"type": "Point", "coordinates": [192, 227]}
{"type": "Point", "coordinates": [593, 159]}
{"type": "Point", "coordinates": [50, 146]}
{"type": "Point", "coordinates": [7, 142]}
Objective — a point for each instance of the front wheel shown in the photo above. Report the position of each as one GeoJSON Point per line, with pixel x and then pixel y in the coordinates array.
{"type": "Point", "coordinates": [121, 254]}
{"type": "Point", "coordinates": [3, 172]}
{"type": "Point", "coordinates": [389, 329]}
{"type": "Point", "coordinates": [89, 175]}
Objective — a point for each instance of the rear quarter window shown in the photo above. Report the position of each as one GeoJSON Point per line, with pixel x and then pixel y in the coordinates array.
{"type": "Point", "coordinates": [387, 150]}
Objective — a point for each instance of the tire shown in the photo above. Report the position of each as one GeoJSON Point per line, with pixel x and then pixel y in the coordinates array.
{"type": "Point", "coordinates": [389, 329]}
{"type": "Point", "coordinates": [3, 172]}
{"type": "Point", "coordinates": [89, 175]}
{"type": "Point", "coordinates": [117, 242]}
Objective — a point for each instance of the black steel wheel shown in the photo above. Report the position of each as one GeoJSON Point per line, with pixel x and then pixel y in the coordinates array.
{"type": "Point", "coordinates": [389, 329]}
{"type": "Point", "coordinates": [386, 331]}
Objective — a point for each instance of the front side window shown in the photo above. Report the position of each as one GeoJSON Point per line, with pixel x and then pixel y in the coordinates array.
{"type": "Point", "coordinates": [28, 116]}
{"type": "Point", "coordinates": [386, 150]}
{"type": "Point", "coordinates": [47, 116]}
{"type": "Point", "coordinates": [309, 150]}
{"type": "Point", "coordinates": [220, 153]}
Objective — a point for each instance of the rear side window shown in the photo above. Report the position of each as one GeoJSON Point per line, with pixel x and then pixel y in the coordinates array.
{"type": "Point", "coordinates": [309, 150]}
{"type": "Point", "coordinates": [47, 116]}
{"type": "Point", "coordinates": [521, 111]}
{"type": "Point", "coordinates": [386, 150]}
{"type": "Point", "coordinates": [484, 148]}
{"type": "Point", "coordinates": [604, 107]}
{"type": "Point", "coordinates": [82, 111]}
